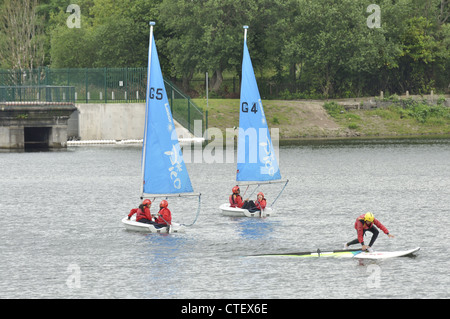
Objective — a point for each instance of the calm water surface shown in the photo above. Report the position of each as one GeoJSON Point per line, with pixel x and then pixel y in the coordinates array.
{"type": "Point", "coordinates": [61, 235]}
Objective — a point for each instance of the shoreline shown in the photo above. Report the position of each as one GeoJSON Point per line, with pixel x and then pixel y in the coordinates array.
{"type": "Point", "coordinates": [282, 142]}
{"type": "Point", "coordinates": [294, 141]}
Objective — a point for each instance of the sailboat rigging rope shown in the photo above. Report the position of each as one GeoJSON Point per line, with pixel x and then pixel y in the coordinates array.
{"type": "Point", "coordinates": [253, 190]}
{"type": "Point", "coordinates": [287, 181]}
{"type": "Point", "coordinates": [198, 211]}
{"type": "Point", "coordinates": [196, 215]}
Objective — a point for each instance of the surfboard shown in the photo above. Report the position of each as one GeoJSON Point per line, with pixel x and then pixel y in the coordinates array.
{"type": "Point", "coordinates": [386, 254]}
{"type": "Point", "coordinates": [350, 253]}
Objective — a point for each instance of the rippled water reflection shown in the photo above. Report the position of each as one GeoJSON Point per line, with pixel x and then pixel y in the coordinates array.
{"type": "Point", "coordinates": [61, 235]}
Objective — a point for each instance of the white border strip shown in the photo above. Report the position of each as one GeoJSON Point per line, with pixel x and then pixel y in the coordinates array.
{"type": "Point", "coordinates": [130, 141]}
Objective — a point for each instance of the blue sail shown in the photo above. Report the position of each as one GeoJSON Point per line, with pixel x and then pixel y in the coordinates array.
{"type": "Point", "coordinates": [256, 157]}
{"type": "Point", "coordinates": [163, 167]}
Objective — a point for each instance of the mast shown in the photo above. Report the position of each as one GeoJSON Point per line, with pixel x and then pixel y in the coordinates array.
{"type": "Point", "coordinates": [144, 144]}
{"type": "Point", "coordinates": [245, 32]}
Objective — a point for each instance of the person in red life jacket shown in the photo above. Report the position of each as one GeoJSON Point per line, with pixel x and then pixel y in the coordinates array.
{"type": "Point", "coordinates": [260, 201]}
{"type": "Point", "coordinates": [235, 198]}
{"type": "Point", "coordinates": [257, 205]}
{"type": "Point", "coordinates": [142, 212]}
{"type": "Point", "coordinates": [367, 222]}
{"type": "Point", "coordinates": [164, 216]}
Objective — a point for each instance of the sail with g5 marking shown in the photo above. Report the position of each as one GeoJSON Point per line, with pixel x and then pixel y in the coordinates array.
{"type": "Point", "coordinates": [163, 167]}
{"type": "Point", "coordinates": [256, 160]}
{"type": "Point", "coordinates": [163, 171]}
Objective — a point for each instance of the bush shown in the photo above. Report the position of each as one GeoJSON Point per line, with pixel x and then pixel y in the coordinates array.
{"type": "Point", "coordinates": [275, 120]}
{"type": "Point", "coordinates": [353, 126]}
{"type": "Point", "coordinates": [334, 109]}
{"type": "Point", "coordinates": [421, 111]}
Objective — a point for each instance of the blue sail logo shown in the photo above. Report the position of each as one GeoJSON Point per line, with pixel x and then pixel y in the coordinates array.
{"type": "Point", "coordinates": [169, 117]}
{"type": "Point", "coordinates": [263, 116]}
{"type": "Point", "coordinates": [268, 158]}
{"type": "Point", "coordinates": [176, 160]}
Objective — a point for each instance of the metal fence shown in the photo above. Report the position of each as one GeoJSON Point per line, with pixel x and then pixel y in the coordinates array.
{"type": "Point", "coordinates": [95, 85]}
{"type": "Point", "coordinates": [38, 93]}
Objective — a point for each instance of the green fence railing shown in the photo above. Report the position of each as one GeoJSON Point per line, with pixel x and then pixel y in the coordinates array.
{"type": "Point", "coordinates": [100, 85]}
{"type": "Point", "coordinates": [38, 93]}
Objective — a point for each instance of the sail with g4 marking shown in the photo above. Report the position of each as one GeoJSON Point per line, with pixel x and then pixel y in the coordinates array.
{"type": "Point", "coordinates": [256, 160]}
{"type": "Point", "coordinates": [256, 157]}
{"type": "Point", "coordinates": [163, 167]}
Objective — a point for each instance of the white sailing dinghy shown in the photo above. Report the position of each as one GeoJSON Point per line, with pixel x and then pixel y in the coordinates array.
{"type": "Point", "coordinates": [163, 169]}
{"type": "Point", "coordinates": [256, 160]}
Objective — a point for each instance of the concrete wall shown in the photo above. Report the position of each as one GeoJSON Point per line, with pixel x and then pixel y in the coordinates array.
{"type": "Point", "coordinates": [58, 136]}
{"type": "Point", "coordinates": [11, 137]}
{"type": "Point", "coordinates": [111, 121]}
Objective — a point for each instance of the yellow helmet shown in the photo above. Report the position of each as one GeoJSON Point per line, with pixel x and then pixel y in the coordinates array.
{"type": "Point", "coordinates": [368, 217]}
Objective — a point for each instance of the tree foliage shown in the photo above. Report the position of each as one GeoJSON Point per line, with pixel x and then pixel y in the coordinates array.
{"type": "Point", "coordinates": [313, 47]}
{"type": "Point", "coordinates": [21, 35]}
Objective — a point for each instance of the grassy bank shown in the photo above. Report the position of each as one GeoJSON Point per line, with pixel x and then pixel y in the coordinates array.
{"type": "Point", "coordinates": [309, 119]}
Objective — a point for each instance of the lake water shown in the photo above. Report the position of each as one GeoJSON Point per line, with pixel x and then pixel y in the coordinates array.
{"type": "Point", "coordinates": [61, 235]}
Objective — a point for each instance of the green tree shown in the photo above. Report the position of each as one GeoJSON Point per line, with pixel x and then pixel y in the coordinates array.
{"type": "Point", "coordinates": [20, 35]}
{"type": "Point", "coordinates": [337, 47]}
{"type": "Point", "coordinates": [112, 34]}
{"type": "Point", "coordinates": [121, 31]}
{"type": "Point", "coordinates": [313, 46]}
{"type": "Point", "coordinates": [72, 48]}
{"type": "Point", "coordinates": [208, 35]}
{"type": "Point", "coordinates": [419, 52]}
{"type": "Point", "coordinates": [119, 44]}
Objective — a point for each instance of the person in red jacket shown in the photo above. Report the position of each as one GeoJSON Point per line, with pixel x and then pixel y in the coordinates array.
{"type": "Point", "coordinates": [142, 212]}
{"type": "Point", "coordinates": [164, 216]}
{"type": "Point", "coordinates": [261, 202]}
{"type": "Point", "coordinates": [258, 205]}
{"type": "Point", "coordinates": [235, 198]}
{"type": "Point", "coordinates": [367, 222]}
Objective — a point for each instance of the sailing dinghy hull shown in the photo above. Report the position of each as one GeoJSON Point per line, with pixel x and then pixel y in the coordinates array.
{"type": "Point", "coordinates": [133, 225]}
{"type": "Point", "coordinates": [240, 212]}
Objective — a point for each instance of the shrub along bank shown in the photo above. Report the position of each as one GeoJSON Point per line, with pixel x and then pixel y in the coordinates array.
{"type": "Point", "coordinates": [401, 117]}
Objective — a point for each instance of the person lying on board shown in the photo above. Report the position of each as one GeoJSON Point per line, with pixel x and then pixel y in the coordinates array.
{"type": "Point", "coordinates": [367, 222]}
{"type": "Point", "coordinates": [142, 212]}
{"type": "Point", "coordinates": [254, 206]}
{"type": "Point", "coordinates": [236, 198]}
